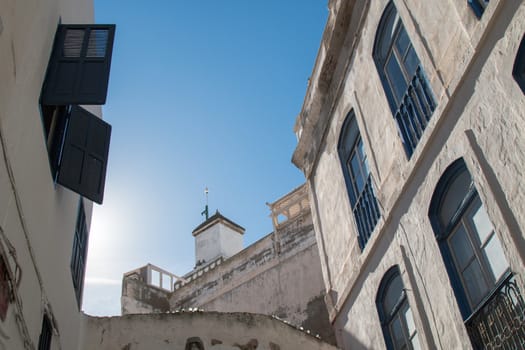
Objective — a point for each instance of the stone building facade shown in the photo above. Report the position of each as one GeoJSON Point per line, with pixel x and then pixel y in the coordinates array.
{"type": "Point", "coordinates": [53, 153]}
{"type": "Point", "coordinates": [410, 138]}
{"type": "Point", "coordinates": [278, 275]}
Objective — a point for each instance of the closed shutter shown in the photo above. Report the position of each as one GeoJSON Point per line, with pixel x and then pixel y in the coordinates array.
{"type": "Point", "coordinates": [85, 154]}
{"type": "Point", "coordinates": [78, 71]}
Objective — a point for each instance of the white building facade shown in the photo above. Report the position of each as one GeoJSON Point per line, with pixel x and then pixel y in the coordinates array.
{"type": "Point", "coordinates": [410, 140]}
{"type": "Point", "coordinates": [52, 167]}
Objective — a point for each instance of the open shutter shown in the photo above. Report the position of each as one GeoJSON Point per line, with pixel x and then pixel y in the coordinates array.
{"type": "Point", "coordinates": [78, 71]}
{"type": "Point", "coordinates": [85, 154]}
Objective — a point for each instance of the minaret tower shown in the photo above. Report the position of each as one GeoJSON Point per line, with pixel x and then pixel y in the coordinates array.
{"type": "Point", "coordinates": [216, 237]}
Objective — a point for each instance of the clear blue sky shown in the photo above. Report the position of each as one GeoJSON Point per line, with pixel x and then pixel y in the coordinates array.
{"type": "Point", "coordinates": [201, 93]}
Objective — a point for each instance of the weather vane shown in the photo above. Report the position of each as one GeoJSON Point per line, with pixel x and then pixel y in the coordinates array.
{"type": "Point", "coordinates": [205, 211]}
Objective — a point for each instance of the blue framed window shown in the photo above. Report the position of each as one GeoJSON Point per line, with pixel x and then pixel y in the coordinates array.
{"type": "Point", "coordinates": [408, 92]}
{"type": "Point", "coordinates": [487, 295]}
{"type": "Point", "coordinates": [358, 179]}
{"type": "Point", "coordinates": [394, 312]}
{"type": "Point", "coordinates": [478, 6]}
{"type": "Point", "coordinates": [518, 71]}
{"type": "Point", "coordinates": [79, 254]}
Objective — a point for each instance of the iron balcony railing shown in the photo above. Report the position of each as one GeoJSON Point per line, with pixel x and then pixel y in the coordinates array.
{"type": "Point", "coordinates": [366, 212]}
{"type": "Point", "coordinates": [500, 322]}
{"type": "Point", "coordinates": [415, 110]}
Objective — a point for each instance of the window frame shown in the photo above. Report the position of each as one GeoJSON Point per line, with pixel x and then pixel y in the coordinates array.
{"type": "Point", "coordinates": [414, 106]}
{"type": "Point", "coordinates": [79, 253]}
{"type": "Point", "coordinates": [386, 318]}
{"type": "Point", "coordinates": [363, 203]}
{"type": "Point", "coordinates": [46, 334]}
{"type": "Point", "coordinates": [443, 234]}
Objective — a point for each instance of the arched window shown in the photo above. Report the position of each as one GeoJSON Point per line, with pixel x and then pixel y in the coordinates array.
{"type": "Point", "coordinates": [476, 264]}
{"type": "Point", "coordinates": [518, 72]}
{"type": "Point", "coordinates": [404, 81]}
{"type": "Point", "coordinates": [394, 312]}
{"type": "Point", "coordinates": [358, 179]}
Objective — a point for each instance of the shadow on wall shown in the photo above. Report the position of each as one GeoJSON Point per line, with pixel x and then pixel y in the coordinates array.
{"type": "Point", "coordinates": [348, 341]}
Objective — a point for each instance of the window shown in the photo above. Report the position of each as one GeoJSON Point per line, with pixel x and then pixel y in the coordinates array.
{"type": "Point", "coordinates": [78, 141]}
{"type": "Point", "coordinates": [358, 179]}
{"type": "Point", "coordinates": [79, 255]}
{"type": "Point", "coordinates": [478, 6]}
{"type": "Point", "coordinates": [404, 81]}
{"type": "Point", "coordinates": [44, 342]}
{"type": "Point", "coordinates": [395, 315]}
{"type": "Point", "coordinates": [518, 72]}
{"type": "Point", "coordinates": [78, 70]}
{"type": "Point", "coordinates": [474, 258]}
{"type": "Point", "coordinates": [5, 288]}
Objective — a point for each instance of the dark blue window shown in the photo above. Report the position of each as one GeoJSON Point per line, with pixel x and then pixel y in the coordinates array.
{"type": "Point", "coordinates": [478, 6]}
{"type": "Point", "coordinates": [44, 341]}
{"type": "Point", "coordinates": [487, 295]}
{"type": "Point", "coordinates": [394, 312]}
{"type": "Point", "coordinates": [79, 255]}
{"type": "Point", "coordinates": [358, 179]}
{"type": "Point", "coordinates": [404, 81]}
{"type": "Point", "coordinates": [518, 72]}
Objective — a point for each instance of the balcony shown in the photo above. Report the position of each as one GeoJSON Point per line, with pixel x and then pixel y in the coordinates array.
{"type": "Point", "coordinates": [500, 321]}
{"type": "Point", "coordinates": [415, 110]}
{"type": "Point", "coordinates": [366, 212]}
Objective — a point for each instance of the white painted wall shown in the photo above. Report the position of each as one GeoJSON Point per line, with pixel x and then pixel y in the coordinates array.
{"type": "Point", "coordinates": [37, 217]}
{"type": "Point", "coordinates": [216, 241]}
{"type": "Point", "coordinates": [217, 331]}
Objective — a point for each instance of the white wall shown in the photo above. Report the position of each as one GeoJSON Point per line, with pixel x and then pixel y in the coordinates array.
{"type": "Point", "coordinates": [216, 241]}
{"type": "Point", "coordinates": [36, 216]}
{"type": "Point", "coordinates": [220, 331]}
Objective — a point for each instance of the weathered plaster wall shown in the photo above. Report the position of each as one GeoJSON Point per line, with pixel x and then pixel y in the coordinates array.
{"type": "Point", "coordinates": [220, 331]}
{"type": "Point", "coordinates": [139, 298]}
{"type": "Point", "coordinates": [287, 283]}
{"type": "Point", "coordinates": [37, 217]}
{"type": "Point", "coordinates": [479, 117]}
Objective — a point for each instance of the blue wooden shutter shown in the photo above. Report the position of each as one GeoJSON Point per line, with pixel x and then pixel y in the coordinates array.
{"type": "Point", "coordinates": [78, 71]}
{"type": "Point", "coordinates": [85, 154]}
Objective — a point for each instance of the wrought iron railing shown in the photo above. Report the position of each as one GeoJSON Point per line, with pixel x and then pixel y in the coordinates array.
{"type": "Point", "coordinates": [415, 110]}
{"type": "Point", "coordinates": [500, 322]}
{"type": "Point", "coordinates": [366, 212]}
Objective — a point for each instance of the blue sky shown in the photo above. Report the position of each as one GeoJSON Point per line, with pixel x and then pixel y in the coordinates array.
{"type": "Point", "coordinates": [202, 94]}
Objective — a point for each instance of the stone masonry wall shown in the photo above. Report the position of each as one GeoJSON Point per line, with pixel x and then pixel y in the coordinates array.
{"type": "Point", "coordinates": [479, 117]}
